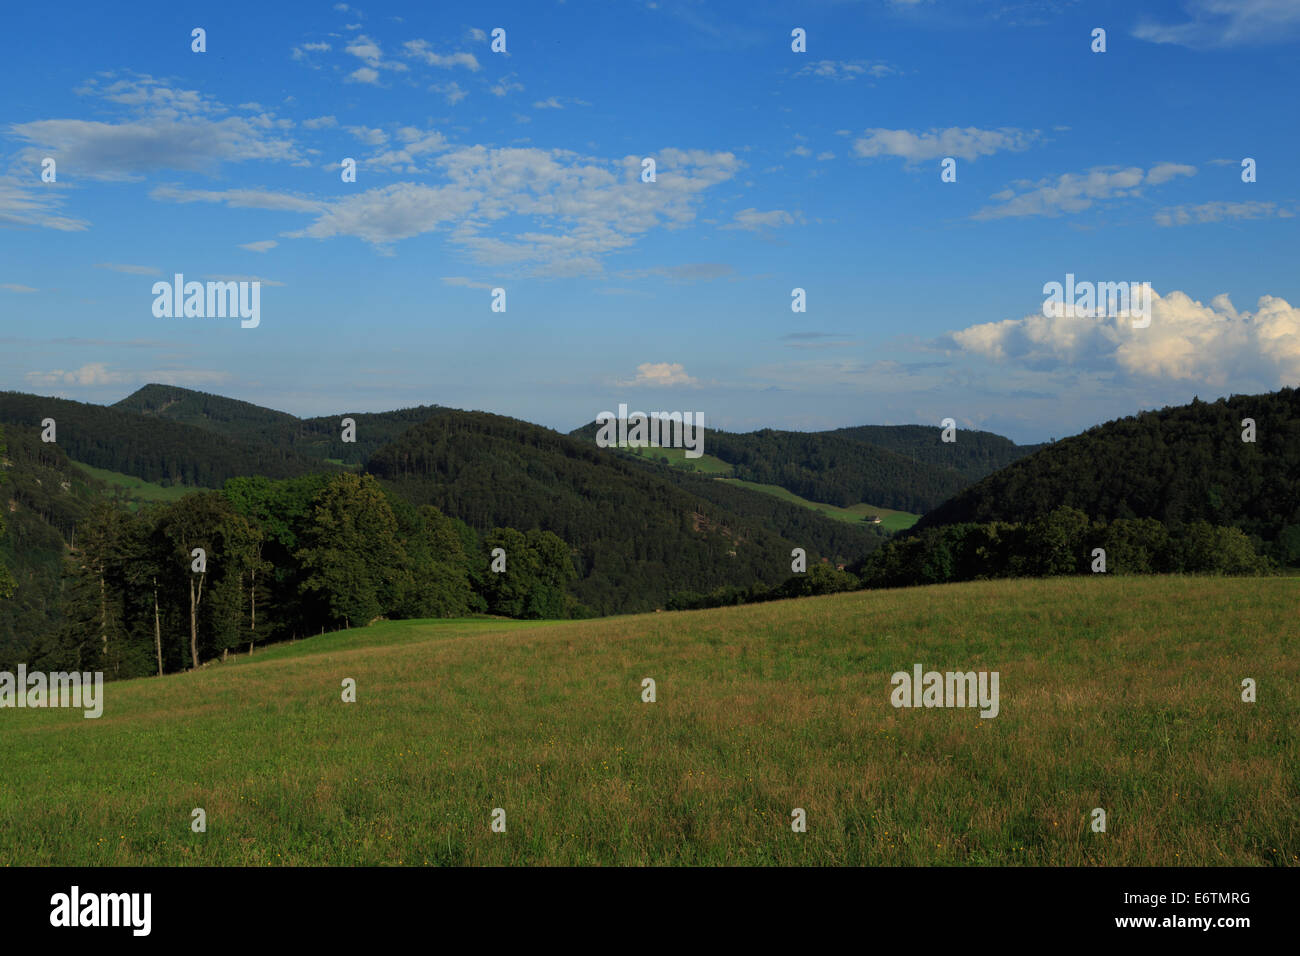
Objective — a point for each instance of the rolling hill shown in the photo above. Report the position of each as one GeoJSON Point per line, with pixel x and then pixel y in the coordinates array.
{"type": "Point", "coordinates": [1177, 465]}
{"type": "Point", "coordinates": [901, 468]}
{"type": "Point", "coordinates": [316, 438]}
{"type": "Point", "coordinates": [639, 534]}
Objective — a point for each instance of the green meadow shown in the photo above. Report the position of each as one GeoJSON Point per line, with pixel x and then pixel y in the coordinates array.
{"type": "Point", "coordinates": [136, 491]}
{"type": "Point", "coordinates": [890, 519]}
{"type": "Point", "coordinates": [1122, 693]}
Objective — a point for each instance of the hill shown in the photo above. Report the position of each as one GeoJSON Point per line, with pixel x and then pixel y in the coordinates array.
{"type": "Point", "coordinates": [844, 470]}
{"type": "Point", "coordinates": [1177, 465]}
{"type": "Point", "coordinates": [156, 450]}
{"type": "Point", "coordinates": [973, 455]}
{"type": "Point", "coordinates": [639, 534]}
{"type": "Point", "coordinates": [316, 438]}
{"type": "Point", "coordinates": [1120, 694]}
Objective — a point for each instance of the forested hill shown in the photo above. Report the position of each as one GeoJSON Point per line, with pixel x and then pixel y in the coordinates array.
{"type": "Point", "coordinates": [974, 455]}
{"type": "Point", "coordinates": [158, 450]}
{"type": "Point", "coordinates": [1178, 465]}
{"type": "Point", "coordinates": [639, 537]}
{"type": "Point", "coordinates": [845, 469]}
{"type": "Point", "coordinates": [320, 437]}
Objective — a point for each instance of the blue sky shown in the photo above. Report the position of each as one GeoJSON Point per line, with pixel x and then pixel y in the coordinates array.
{"type": "Point", "coordinates": [774, 170]}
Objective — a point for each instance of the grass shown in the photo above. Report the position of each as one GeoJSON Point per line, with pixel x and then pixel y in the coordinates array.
{"type": "Point", "coordinates": [890, 519]}
{"type": "Point", "coordinates": [704, 464]}
{"type": "Point", "coordinates": [136, 491]}
{"type": "Point", "coordinates": [1120, 693]}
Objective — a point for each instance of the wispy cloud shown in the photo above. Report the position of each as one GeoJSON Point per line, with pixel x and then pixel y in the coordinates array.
{"type": "Point", "coordinates": [968, 143]}
{"type": "Point", "coordinates": [1075, 192]}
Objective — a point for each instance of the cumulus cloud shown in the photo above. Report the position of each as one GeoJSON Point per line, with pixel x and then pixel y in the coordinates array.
{"type": "Point", "coordinates": [1186, 341]}
{"type": "Point", "coordinates": [660, 374]}
{"type": "Point", "coordinates": [968, 143]}
{"type": "Point", "coordinates": [1075, 192]}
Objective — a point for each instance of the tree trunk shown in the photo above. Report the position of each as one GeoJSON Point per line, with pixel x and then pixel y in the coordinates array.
{"type": "Point", "coordinates": [157, 627]}
{"type": "Point", "coordinates": [252, 596]}
{"type": "Point", "coordinates": [103, 613]}
{"type": "Point", "coordinates": [194, 621]}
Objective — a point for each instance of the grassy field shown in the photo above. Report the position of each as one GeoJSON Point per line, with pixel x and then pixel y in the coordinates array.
{"type": "Point", "coordinates": [890, 519]}
{"type": "Point", "coordinates": [137, 491]}
{"type": "Point", "coordinates": [705, 464]}
{"type": "Point", "coordinates": [1119, 693]}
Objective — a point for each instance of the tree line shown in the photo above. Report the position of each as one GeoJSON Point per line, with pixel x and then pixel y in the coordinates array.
{"type": "Point", "coordinates": [173, 586]}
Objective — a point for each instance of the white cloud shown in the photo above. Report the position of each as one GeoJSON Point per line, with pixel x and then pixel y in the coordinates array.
{"type": "Point", "coordinates": [1163, 172]}
{"type": "Point", "coordinates": [579, 209]}
{"type": "Point", "coordinates": [239, 198]}
{"type": "Point", "coordinates": [755, 221]}
{"type": "Point", "coordinates": [262, 246]}
{"type": "Point", "coordinates": [1227, 23]}
{"type": "Point", "coordinates": [1075, 192]}
{"type": "Point", "coordinates": [419, 49]}
{"type": "Point", "coordinates": [968, 143]}
{"type": "Point", "coordinates": [1186, 341]}
{"type": "Point", "coordinates": [172, 129]}
{"type": "Point", "coordinates": [364, 75]}
{"type": "Point", "coordinates": [98, 373]}
{"type": "Point", "coordinates": [368, 52]}
{"type": "Point", "coordinates": [451, 91]}
{"type": "Point", "coordinates": [845, 69]}
{"type": "Point", "coordinates": [15, 287]}
{"type": "Point", "coordinates": [301, 51]}
{"type": "Point", "coordinates": [1220, 210]}
{"type": "Point", "coordinates": [507, 84]}
{"type": "Point", "coordinates": [660, 374]}
{"type": "Point", "coordinates": [320, 122]}
{"type": "Point", "coordinates": [368, 135]}
{"type": "Point", "coordinates": [550, 103]}
{"type": "Point", "coordinates": [24, 202]}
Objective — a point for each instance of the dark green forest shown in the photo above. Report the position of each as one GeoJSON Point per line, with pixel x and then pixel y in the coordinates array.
{"type": "Point", "coordinates": [317, 438]}
{"type": "Point", "coordinates": [904, 467]}
{"type": "Point", "coordinates": [158, 450]}
{"type": "Point", "coordinates": [639, 535]}
{"type": "Point", "coordinates": [1178, 465]}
